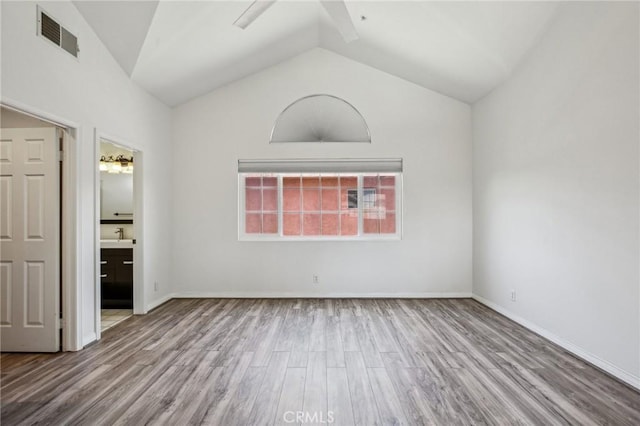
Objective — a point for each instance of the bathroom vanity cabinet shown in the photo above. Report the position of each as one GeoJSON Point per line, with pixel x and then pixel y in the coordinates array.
{"type": "Point", "coordinates": [116, 278]}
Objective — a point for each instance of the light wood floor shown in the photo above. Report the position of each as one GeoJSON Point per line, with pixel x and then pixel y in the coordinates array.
{"type": "Point", "coordinates": [364, 362]}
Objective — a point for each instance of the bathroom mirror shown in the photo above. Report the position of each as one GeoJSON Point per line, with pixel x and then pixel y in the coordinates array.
{"type": "Point", "coordinates": [116, 185]}
{"type": "Point", "coordinates": [116, 191]}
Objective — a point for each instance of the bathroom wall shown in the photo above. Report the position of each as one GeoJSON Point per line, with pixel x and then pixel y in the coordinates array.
{"type": "Point", "coordinates": [108, 231]}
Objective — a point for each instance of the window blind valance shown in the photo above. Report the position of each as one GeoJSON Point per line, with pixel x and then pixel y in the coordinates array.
{"type": "Point", "coordinates": [364, 165]}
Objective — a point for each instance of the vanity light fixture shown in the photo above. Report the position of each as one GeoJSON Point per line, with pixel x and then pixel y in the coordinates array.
{"type": "Point", "coordinates": [119, 164]}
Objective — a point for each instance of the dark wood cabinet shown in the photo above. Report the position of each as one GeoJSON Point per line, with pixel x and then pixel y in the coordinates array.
{"type": "Point", "coordinates": [116, 278]}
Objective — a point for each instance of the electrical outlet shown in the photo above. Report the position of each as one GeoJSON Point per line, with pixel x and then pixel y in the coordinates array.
{"type": "Point", "coordinates": [316, 280]}
{"type": "Point", "coordinates": [513, 295]}
{"type": "Point", "coordinates": [155, 286]}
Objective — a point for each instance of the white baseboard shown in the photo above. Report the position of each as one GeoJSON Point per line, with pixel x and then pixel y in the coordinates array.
{"type": "Point", "coordinates": [154, 304]}
{"type": "Point", "coordinates": [617, 372]}
{"type": "Point", "coordinates": [307, 295]}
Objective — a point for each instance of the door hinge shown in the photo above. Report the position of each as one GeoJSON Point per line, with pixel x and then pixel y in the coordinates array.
{"type": "Point", "coordinates": [61, 323]}
{"type": "Point", "coordinates": [60, 156]}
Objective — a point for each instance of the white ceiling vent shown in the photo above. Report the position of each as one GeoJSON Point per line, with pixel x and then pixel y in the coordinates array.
{"type": "Point", "coordinates": [50, 29]}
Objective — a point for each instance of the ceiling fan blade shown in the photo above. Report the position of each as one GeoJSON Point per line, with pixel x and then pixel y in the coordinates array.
{"type": "Point", "coordinates": [340, 15]}
{"type": "Point", "coordinates": [253, 11]}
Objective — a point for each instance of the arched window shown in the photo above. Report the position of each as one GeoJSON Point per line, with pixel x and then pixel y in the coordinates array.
{"type": "Point", "coordinates": [320, 118]}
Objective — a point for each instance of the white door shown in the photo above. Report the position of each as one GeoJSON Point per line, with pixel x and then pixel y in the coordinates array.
{"type": "Point", "coordinates": [29, 240]}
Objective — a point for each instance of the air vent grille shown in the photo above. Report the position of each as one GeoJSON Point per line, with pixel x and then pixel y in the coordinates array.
{"type": "Point", "coordinates": [69, 42]}
{"type": "Point", "coordinates": [50, 29]}
{"type": "Point", "coordinates": [53, 31]}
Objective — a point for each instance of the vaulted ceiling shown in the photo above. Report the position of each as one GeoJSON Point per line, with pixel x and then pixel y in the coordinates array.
{"type": "Point", "coordinates": [178, 50]}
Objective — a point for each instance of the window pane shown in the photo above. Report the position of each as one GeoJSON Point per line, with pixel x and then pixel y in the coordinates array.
{"type": "Point", "coordinates": [252, 181]}
{"type": "Point", "coordinates": [291, 201]}
{"type": "Point", "coordinates": [253, 199]}
{"type": "Point", "coordinates": [270, 200]}
{"type": "Point", "coordinates": [329, 199]}
{"type": "Point", "coordinates": [311, 224]}
{"type": "Point", "coordinates": [388, 224]}
{"type": "Point", "coordinates": [349, 182]}
{"type": "Point", "coordinates": [371, 226]}
{"type": "Point", "coordinates": [253, 224]}
{"type": "Point", "coordinates": [329, 181]}
{"type": "Point", "coordinates": [388, 181]}
{"type": "Point", "coordinates": [330, 224]}
{"type": "Point", "coordinates": [348, 193]}
{"type": "Point", "coordinates": [370, 181]}
{"type": "Point", "coordinates": [348, 224]}
{"type": "Point", "coordinates": [348, 199]}
{"type": "Point", "coordinates": [311, 182]}
{"type": "Point", "coordinates": [289, 181]}
{"type": "Point", "coordinates": [261, 195]}
{"type": "Point", "coordinates": [270, 224]}
{"type": "Point", "coordinates": [291, 223]}
{"type": "Point", "coordinates": [270, 181]}
{"type": "Point", "coordinates": [388, 198]}
{"type": "Point", "coordinates": [369, 200]}
{"type": "Point", "coordinates": [311, 199]}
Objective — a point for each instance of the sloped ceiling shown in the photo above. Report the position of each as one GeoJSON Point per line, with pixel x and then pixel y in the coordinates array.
{"type": "Point", "coordinates": [121, 25]}
{"type": "Point", "coordinates": [178, 50]}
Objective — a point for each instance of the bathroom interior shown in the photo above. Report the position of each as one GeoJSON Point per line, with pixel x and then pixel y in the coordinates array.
{"type": "Point", "coordinates": [116, 234]}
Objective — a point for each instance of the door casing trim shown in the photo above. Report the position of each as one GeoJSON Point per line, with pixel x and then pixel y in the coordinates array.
{"type": "Point", "coordinates": [138, 229]}
{"type": "Point", "coordinates": [71, 237]}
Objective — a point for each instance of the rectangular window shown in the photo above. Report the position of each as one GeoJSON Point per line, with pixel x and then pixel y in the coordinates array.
{"type": "Point", "coordinates": [319, 205]}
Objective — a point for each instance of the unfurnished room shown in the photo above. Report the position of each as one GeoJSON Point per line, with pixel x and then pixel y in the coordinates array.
{"type": "Point", "coordinates": [337, 212]}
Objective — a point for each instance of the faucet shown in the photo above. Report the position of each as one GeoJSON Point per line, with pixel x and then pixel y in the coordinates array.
{"type": "Point", "coordinates": [120, 232]}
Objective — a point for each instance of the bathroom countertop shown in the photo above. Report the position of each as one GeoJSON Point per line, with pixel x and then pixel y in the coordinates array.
{"type": "Point", "coordinates": [115, 244]}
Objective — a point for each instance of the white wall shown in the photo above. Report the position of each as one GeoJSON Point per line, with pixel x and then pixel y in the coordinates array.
{"type": "Point", "coordinates": [10, 119]}
{"type": "Point", "coordinates": [94, 92]}
{"type": "Point", "coordinates": [556, 185]}
{"type": "Point", "coordinates": [430, 131]}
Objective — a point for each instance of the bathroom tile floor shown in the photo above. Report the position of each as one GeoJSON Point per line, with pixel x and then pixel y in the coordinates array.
{"type": "Point", "coordinates": [111, 317]}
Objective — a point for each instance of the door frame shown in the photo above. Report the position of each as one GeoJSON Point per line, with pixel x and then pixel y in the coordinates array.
{"type": "Point", "coordinates": [138, 229]}
{"type": "Point", "coordinates": [71, 233]}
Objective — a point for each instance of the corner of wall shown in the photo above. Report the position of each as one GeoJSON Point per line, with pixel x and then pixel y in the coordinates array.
{"type": "Point", "coordinates": [625, 376]}
{"type": "Point", "coordinates": [159, 301]}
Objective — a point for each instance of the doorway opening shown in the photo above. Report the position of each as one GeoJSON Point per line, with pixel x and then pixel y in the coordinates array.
{"type": "Point", "coordinates": [117, 229]}
{"type": "Point", "coordinates": [32, 233]}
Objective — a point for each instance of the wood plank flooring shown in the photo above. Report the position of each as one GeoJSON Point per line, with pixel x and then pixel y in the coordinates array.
{"type": "Point", "coordinates": [314, 361]}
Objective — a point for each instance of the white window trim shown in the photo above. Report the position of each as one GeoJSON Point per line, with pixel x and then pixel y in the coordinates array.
{"type": "Point", "coordinates": [280, 237]}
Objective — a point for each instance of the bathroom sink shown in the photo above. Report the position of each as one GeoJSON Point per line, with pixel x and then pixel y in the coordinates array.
{"type": "Point", "coordinates": [116, 243]}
